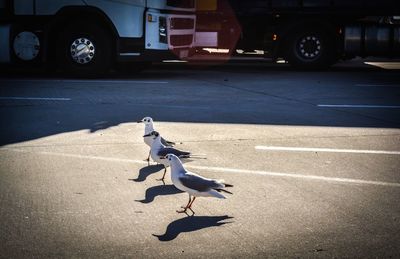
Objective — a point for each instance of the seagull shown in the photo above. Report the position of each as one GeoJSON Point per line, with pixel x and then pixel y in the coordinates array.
{"type": "Point", "coordinates": [158, 151]}
{"type": "Point", "coordinates": [194, 184]}
{"type": "Point", "coordinates": [148, 128]}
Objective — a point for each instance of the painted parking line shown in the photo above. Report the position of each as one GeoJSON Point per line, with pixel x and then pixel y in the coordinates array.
{"type": "Point", "coordinates": [359, 106]}
{"type": "Point", "coordinates": [224, 169]}
{"type": "Point", "coordinates": [35, 98]}
{"type": "Point", "coordinates": [116, 81]}
{"type": "Point", "coordinates": [85, 81]}
{"type": "Point", "coordinates": [378, 85]}
{"type": "Point", "coordinates": [330, 150]}
{"type": "Point", "coordinates": [185, 107]}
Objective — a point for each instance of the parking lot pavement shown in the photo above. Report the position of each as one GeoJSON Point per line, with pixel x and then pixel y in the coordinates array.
{"type": "Point", "coordinates": [309, 180]}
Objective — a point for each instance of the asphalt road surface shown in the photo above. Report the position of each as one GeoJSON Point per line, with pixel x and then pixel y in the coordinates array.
{"type": "Point", "coordinates": [313, 157]}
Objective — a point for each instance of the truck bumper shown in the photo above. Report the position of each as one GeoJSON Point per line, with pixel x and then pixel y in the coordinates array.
{"type": "Point", "coordinates": [154, 55]}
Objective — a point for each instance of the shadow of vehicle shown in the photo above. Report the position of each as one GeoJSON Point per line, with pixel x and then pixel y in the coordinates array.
{"type": "Point", "coordinates": [230, 95]}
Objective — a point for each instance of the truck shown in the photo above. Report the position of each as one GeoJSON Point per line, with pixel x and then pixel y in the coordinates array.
{"type": "Point", "coordinates": [305, 33]}
{"type": "Point", "coordinates": [88, 37]}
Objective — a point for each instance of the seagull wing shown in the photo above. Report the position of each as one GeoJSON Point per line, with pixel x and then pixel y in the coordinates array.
{"type": "Point", "coordinates": [167, 143]}
{"type": "Point", "coordinates": [199, 183]}
{"type": "Point", "coordinates": [169, 150]}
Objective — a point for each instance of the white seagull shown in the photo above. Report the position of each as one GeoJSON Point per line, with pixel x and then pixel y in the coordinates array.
{"type": "Point", "coordinates": [158, 151]}
{"type": "Point", "coordinates": [194, 184]}
{"type": "Point", "coordinates": [148, 128]}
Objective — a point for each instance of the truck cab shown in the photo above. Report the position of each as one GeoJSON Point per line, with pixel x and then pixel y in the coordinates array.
{"type": "Point", "coordinates": [90, 36]}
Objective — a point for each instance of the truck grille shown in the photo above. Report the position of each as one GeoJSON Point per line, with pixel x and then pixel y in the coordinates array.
{"type": "Point", "coordinates": [181, 3]}
{"type": "Point", "coordinates": [181, 40]}
{"type": "Point", "coordinates": [182, 23]}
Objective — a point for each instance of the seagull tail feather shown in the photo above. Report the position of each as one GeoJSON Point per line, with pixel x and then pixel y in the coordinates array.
{"type": "Point", "coordinates": [222, 181]}
{"type": "Point", "coordinates": [216, 193]}
{"type": "Point", "coordinates": [223, 190]}
{"type": "Point", "coordinates": [198, 156]}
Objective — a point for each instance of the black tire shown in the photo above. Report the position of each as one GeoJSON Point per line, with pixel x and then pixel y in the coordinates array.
{"type": "Point", "coordinates": [310, 49]}
{"type": "Point", "coordinates": [98, 62]}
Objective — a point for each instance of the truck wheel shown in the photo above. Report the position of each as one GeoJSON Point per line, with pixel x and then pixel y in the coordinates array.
{"type": "Point", "coordinates": [84, 49]}
{"type": "Point", "coordinates": [310, 49]}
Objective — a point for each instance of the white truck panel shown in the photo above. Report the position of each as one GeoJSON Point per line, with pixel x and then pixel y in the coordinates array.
{"type": "Point", "coordinates": [162, 5]}
{"type": "Point", "coordinates": [23, 7]}
{"type": "Point", "coordinates": [152, 31]}
{"type": "Point", "coordinates": [44, 7]}
{"type": "Point", "coordinates": [4, 43]}
{"type": "Point", "coordinates": [127, 16]}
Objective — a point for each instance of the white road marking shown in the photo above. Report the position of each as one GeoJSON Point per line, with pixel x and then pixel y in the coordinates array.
{"type": "Point", "coordinates": [224, 170]}
{"type": "Point", "coordinates": [377, 85]}
{"type": "Point", "coordinates": [359, 106]}
{"type": "Point", "coordinates": [35, 98]}
{"type": "Point", "coordinates": [116, 81]}
{"type": "Point", "coordinates": [130, 54]}
{"type": "Point", "coordinates": [84, 81]}
{"type": "Point", "coordinates": [331, 150]}
{"type": "Point", "coordinates": [174, 61]}
{"type": "Point", "coordinates": [191, 107]}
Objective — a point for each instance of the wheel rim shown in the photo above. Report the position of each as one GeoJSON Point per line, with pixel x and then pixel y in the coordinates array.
{"type": "Point", "coordinates": [26, 45]}
{"type": "Point", "coordinates": [309, 47]}
{"type": "Point", "coordinates": [82, 50]}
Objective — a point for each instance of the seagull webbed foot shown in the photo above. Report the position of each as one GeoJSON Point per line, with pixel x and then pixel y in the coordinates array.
{"type": "Point", "coordinates": [191, 211]}
{"type": "Point", "coordinates": [183, 211]}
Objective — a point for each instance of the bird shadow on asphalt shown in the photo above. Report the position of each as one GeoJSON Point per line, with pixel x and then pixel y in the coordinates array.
{"type": "Point", "coordinates": [146, 171]}
{"type": "Point", "coordinates": [190, 224]}
{"type": "Point", "coordinates": [159, 190]}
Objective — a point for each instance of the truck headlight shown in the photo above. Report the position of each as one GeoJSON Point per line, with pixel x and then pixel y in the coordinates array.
{"type": "Point", "coordinates": [163, 30]}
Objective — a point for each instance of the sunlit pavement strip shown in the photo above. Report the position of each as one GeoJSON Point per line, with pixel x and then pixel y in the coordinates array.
{"type": "Point", "coordinates": [35, 98]}
{"type": "Point", "coordinates": [223, 169]}
{"type": "Point", "coordinates": [331, 150]}
{"type": "Point", "coordinates": [385, 65]}
{"type": "Point", "coordinates": [359, 106]}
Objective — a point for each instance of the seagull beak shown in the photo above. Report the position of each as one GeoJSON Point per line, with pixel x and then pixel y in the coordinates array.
{"type": "Point", "coordinates": [147, 135]}
{"type": "Point", "coordinates": [162, 157]}
{"type": "Point", "coordinates": [139, 121]}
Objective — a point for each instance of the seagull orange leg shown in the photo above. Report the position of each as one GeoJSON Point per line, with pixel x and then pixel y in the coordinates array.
{"type": "Point", "coordinates": [190, 205]}
{"type": "Point", "coordinates": [185, 207]}
{"type": "Point", "coordinates": [165, 171]}
{"type": "Point", "coordinates": [148, 159]}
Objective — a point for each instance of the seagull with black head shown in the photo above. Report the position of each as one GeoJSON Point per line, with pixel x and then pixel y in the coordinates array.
{"type": "Point", "coordinates": [158, 151]}
{"type": "Point", "coordinates": [148, 128]}
{"type": "Point", "coordinates": [194, 184]}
